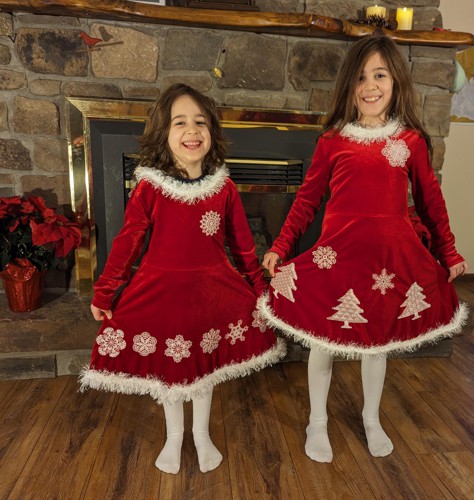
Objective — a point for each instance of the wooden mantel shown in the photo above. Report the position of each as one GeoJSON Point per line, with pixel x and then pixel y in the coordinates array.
{"type": "Point", "coordinates": [299, 25]}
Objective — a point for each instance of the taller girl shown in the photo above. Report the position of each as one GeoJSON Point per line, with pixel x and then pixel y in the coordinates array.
{"type": "Point", "coordinates": [186, 320]}
{"type": "Point", "coordinates": [368, 288]}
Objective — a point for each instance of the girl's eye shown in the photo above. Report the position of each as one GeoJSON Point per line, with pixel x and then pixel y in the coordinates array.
{"type": "Point", "coordinates": [201, 123]}
{"type": "Point", "coordinates": [361, 78]}
{"type": "Point", "coordinates": [380, 75]}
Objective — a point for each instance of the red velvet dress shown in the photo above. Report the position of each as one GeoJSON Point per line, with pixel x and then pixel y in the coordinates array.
{"type": "Point", "coordinates": [368, 286]}
{"type": "Point", "coordinates": [186, 320]}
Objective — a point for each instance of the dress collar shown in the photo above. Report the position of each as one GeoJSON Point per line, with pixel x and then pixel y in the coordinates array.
{"type": "Point", "coordinates": [187, 192]}
{"type": "Point", "coordinates": [362, 135]}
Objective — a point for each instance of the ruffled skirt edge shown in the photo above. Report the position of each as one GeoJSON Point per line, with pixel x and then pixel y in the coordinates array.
{"type": "Point", "coordinates": [163, 393]}
{"type": "Point", "coordinates": [353, 351]}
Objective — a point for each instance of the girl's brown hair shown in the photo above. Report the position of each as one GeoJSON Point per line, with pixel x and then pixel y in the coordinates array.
{"type": "Point", "coordinates": [402, 105]}
{"type": "Point", "coordinates": [155, 151]}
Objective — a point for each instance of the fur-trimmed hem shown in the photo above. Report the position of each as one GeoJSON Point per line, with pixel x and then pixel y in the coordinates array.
{"type": "Point", "coordinates": [353, 351]}
{"type": "Point", "coordinates": [361, 135]}
{"type": "Point", "coordinates": [187, 192]}
{"type": "Point", "coordinates": [163, 393]}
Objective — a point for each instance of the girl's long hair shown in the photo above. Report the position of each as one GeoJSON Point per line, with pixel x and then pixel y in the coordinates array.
{"type": "Point", "coordinates": [155, 151]}
{"type": "Point", "coordinates": [402, 105]}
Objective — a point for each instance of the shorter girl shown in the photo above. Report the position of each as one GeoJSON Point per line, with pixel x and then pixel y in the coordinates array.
{"type": "Point", "coordinates": [368, 287]}
{"type": "Point", "coordinates": [186, 320]}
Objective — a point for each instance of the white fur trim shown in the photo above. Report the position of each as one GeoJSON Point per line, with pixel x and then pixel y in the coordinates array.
{"type": "Point", "coordinates": [353, 351]}
{"type": "Point", "coordinates": [163, 393]}
{"type": "Point", "coordinates": [362, 135]}
{"type": "Point", "coordinates": [188, 192]}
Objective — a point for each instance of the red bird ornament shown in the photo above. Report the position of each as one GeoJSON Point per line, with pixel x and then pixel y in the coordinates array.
{"type": "Point", "coordinates": [89, 40]}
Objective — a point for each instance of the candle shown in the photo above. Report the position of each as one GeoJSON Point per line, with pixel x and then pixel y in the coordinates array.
{"type": "Point", "coordinates": [404, 18]}
{"type": "Point", "coordinates": [375, 10]}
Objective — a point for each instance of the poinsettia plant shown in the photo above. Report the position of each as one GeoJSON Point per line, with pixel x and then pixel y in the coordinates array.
{"type": "Point", "coordinates": [31, 230]}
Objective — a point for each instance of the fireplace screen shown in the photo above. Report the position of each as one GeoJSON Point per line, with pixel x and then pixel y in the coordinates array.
{"type": "Point", "coordinates": [270, 154]}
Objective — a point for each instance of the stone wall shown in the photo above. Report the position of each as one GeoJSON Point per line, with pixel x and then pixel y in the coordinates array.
{"type": "Point", "coordinates": [43, 59]}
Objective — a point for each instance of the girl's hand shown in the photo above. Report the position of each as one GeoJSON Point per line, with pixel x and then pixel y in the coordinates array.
{"type": "Point", "coordinates": [457, 270]}
{"type": "Point", "coordinates": [100, 314]}
{"type": "Point", "coordinates": [270, 261]}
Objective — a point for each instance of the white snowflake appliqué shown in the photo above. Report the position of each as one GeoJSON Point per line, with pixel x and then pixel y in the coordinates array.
{"type": "Point", "coordinates": [210, 340]}
{"type": "Point", "coordinates": [383, 281]}
{"type": "Point", "coordinates": [178, 348]}
{"type": "Point", "coordinates": [236, 332]}
{"type": "Point", "coordinates": [210, 222]}
{"type": "Point", "coordinates": [111, 342]}
{"type": "Point", "coordinates": [396, 151]}
{"type": "Point", "coordinates": [144, 344]}
{"type": "Point", "coordinates": [258, 321]}
{"type": "Point", "coordinates": [325, 257]}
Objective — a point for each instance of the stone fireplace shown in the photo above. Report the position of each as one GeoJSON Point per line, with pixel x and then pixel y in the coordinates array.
{"type": "Point", "coordinates": [45, 66]}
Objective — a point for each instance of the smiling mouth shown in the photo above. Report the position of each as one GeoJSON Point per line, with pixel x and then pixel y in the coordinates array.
{"type": "Point", "coordinates": [192, 144]}
{"type": "Point", "coordinates": [372, 99]}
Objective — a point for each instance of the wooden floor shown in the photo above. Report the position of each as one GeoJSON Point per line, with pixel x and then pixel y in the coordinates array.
{"type": "Point", "coordinates": [57, 443]}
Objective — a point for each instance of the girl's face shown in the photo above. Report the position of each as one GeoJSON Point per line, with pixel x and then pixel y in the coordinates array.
{"type": "Point", "coordinates": [374, 91]}
{"type": "Point", "coordinates": [189, 138]}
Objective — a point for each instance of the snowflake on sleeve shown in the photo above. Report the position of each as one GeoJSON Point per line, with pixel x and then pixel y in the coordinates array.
{"type": "Point", "coordinates": [324, 257]}
{"type": "Point", "coordinates": [144, 344]}
{"type": "Point", "coordinates": [396, 151]}
{"type": "Point", "coordinates": [111, 342]}
{"type": "Point", "coordinates": [383, 281]}
{"type": "Point", "coordinates": [210, 340]}
{"type": "Point", "coordinates": [210, 222]}
{"type": "Point", "coordinates": [178, 348]}
{"type": "Point", "coordinates": [259, 321]}
{"type": "Point", "coordinates": [236, 332]}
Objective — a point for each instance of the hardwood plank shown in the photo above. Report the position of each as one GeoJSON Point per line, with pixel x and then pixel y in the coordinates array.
{"type": "Point", "coordinates": [398, 475]}
{"type": "Point", "coordinates": [259, 460]}
{"type": "Point", "coordinates": [5, 388]}
{"type": "Point", "coordinates": [452, 472]}
{"type": "Point", "coordinates": [190, 483]}
{"type": "Point", "coordinates": [340, 479]}
{"type": "Point", "coordinates": [70, 441]}
{"type": "Point", "coordinates": [417, 423]}
{"type": "Point", "coordinates": [124, 465]}
{"type": "Point", "coordinates": [24, 412]}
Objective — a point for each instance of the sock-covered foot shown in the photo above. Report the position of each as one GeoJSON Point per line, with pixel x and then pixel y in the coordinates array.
{"type": "Point", "coordinates": [209, 456]}
{"type": "Point", "coordinates": [317, 445]}
{"type": "Point", "coordinates": [379, 443]}
{"type": "Point", "coordinates": [169, 460]}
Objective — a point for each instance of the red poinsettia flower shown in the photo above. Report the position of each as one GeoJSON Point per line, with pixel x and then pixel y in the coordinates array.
{"type": "Point", "coordinates": [29, 229]}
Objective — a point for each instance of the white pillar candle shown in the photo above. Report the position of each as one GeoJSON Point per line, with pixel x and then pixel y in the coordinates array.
{"type": "Point", "coordinates": [404, 18]}
{"type": "Point", "coordinates": [375, 10]}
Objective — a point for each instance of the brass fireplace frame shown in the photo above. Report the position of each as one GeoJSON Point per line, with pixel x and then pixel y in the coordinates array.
{"type": "Point", "coordinates": [81, 111]}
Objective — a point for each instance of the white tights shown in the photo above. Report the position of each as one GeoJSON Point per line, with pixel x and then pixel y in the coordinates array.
{"type": "Point", "coordinates": [317, 445]}
{"type": "Point", "coordinates": [169, 460]}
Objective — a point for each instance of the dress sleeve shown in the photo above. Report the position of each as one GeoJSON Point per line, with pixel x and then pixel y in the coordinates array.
{"type": "Point", "coordinates": [430, 205]}
{"type": "Point", "coordinates": [241, 242]}
{"type": "Point", "coordinates": [307, 201]}
{"type": "Point", "coordinates": [126, 246]}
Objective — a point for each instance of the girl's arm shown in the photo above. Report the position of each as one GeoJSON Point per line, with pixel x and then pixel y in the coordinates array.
{"type": "Point", "coordinates": [126, 246]}
{"type": "Point", "coordinates": [307, 202]}
{"type": "Point", "coordinates": [431, 207]}
{"type": "Point", "coordinates": [241, 242]}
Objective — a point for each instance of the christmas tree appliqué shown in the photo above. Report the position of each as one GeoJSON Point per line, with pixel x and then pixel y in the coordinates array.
{"type": "Point", "coordinates": [414, 303]}
{"type": "Point", "coordinates": [348, 310]}
{"type": "Point", "coordinates": [284, 282]}
{"type": "Point", "coordinates": [383, 281]}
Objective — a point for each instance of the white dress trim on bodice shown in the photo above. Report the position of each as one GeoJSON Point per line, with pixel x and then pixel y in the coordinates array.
{"type": "Point", "coordinates": [187, 192]}
{"type": "Point", "coordinates": [362, 135]}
